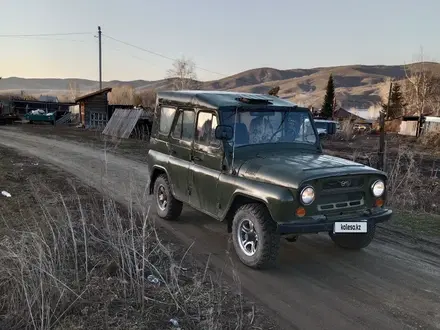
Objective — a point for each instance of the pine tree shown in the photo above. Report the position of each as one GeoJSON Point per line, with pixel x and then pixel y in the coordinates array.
{"type": "Point", "coordinates": [397, 103]}
{"type": "Point", "coordinates": [328, 106]}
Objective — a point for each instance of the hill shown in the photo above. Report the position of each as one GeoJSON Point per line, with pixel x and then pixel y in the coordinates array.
{"type": "Point", "coordinates": [356, 85]}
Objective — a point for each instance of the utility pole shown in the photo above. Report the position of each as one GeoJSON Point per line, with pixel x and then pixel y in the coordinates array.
{"type": "Point", "coordinates": [381, 164]}
{"type": "Point", "coordinates": [100, 58]}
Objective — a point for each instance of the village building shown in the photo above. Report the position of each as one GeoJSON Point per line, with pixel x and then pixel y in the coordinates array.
{"type": "Point", "coordinates": [94, 108]}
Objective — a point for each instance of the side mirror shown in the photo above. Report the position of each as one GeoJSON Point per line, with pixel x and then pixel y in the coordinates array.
{"type": "Point", "coordinates": [224, 132]}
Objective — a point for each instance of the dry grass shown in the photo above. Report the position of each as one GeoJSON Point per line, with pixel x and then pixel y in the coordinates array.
{"type": "Point", "coordinates": [346, 133]}
{"type": "Point", "coordinates": [76, 260]}
{"type": "Point", "coordinates": [413, 184]}
{"type": "Point", "coordinates": [408, 187]}
{"type": "Point", "coordinates": [431, 139]}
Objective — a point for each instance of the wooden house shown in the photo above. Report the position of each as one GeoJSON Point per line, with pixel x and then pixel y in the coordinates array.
{"type": "Point", "coordinates": [94, 109]}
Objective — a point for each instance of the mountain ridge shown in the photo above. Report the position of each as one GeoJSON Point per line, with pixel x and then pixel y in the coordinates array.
{"type": "Point", "coordinates": [356, 85]}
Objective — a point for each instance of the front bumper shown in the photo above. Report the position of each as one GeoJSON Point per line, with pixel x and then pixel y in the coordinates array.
{"type": "Point", "coordinates": [324, 224]}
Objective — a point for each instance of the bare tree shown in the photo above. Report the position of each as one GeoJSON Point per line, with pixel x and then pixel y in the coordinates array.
{"type": "Point", "coordinates": [433, 101]}
{"type": "Point", "coordinates": [74, 91]}
{"type": "Point", "coordinates": [421, 87]}
{"type": "Point", "coordinates": [148, 98]}
{"type": "Point", "coordinates": [183, 74]}
{"type": "Point", "coordinates": [123, 95]}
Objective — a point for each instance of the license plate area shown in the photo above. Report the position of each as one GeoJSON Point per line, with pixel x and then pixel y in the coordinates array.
{"type": "Point", "coordinates": [350, 227]}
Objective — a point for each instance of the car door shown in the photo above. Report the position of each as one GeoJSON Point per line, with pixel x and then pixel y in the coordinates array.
{"type": "Point", "coordinates": [180, 148]}
{"type": "Point", "coordinates": [206, 162]}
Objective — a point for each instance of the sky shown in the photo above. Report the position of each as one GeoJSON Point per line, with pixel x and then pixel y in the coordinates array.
{"type": "Point", "coordinates": [221, 37]}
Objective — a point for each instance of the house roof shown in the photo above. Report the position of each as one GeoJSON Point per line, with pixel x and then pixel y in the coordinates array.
{"type": "Point", "coordinates": [48, 98]}
{"type": "Point", "coordinates": [102, 91]}
{"type": "Point", "coordinates": [216, 99]}
{"type": "Point", "coordinates": [353, 113]}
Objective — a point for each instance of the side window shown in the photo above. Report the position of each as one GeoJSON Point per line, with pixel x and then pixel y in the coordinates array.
{"type": "Point", "coordinates": [184, 128]}
{"type": "Point", "coordinates": [205, 133]}
{"type": "Point", "coordinates": [166, 119]}
{"type": "Point", "coordinates": [188, 125]}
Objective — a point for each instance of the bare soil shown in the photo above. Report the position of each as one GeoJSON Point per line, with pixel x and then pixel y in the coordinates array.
{"type": "Point", "coordinates": [392, 284]}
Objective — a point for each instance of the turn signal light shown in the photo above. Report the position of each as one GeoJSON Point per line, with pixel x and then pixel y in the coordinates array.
{"type": "Point", "coordinates": [379, 202]}
{"type": "Point", "coordinates": [300, 211]}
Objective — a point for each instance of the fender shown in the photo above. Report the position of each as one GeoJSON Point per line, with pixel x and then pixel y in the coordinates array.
{"type": "Point", "coordinates": [278, 200]}
{"type": "Point", "coordinates": [154, 174]}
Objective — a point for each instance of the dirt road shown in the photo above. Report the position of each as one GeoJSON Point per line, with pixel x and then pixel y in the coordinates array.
{"type": "Point", "coordinates": [316, 286]}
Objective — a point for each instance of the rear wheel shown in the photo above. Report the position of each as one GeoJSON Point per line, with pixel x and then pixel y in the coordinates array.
{"type": "Point", "coordinates": [167, 207]}
{"type": "Point", "coordinates": [255, 236]}
{"type": "Point", "coordinates": [354, 241]}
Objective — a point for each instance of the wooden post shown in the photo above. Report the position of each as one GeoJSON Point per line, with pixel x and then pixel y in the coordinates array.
{"type": "Point", "coordinates": [381, 162]}
{"type": "Point", "coordinates": [100, 58]}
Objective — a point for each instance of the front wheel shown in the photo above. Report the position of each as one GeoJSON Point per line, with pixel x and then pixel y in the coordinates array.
{"type": "Point", "coordinates": [255, 236]}
{"type": "Point", "coordinates": [354, 241]}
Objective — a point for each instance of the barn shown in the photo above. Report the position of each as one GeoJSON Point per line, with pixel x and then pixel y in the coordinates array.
{"type": "Point", "coordinates": [94, 109]}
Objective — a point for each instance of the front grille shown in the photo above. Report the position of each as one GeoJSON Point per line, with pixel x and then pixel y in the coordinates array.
{"type": "Point", "coordinates": [332, 202]}
{"type": "Point", "coordinates": [343, 183]}
{"type": "Point", "coordinates": [341, 205]}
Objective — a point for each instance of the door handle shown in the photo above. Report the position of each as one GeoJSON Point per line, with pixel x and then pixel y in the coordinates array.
{"type": "Point", "coordinates": [173, 152]}
{"type": "Point", "coordinates": [196, 158]}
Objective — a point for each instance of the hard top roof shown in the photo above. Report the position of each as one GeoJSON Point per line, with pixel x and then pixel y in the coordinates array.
{"type": "Point", "coordinates": [216, 99]}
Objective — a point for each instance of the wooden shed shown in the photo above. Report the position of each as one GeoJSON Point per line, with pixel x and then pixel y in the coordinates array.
{"type": "Point", "coordinates": [93, 108]}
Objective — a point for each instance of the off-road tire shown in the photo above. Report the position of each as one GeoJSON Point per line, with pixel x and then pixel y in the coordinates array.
{"type": "Point", "coordinates": [174, 207]}
{"type": "Point", "coordinates": [268, 238]}
{"type": "Point", "coordinates": [354, 241]}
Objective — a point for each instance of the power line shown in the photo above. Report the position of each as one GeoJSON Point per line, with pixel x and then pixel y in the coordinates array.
{"type": "Point", "coordinates": [158, 54]}
{"type": "Point", "coordinates": [43, 34]}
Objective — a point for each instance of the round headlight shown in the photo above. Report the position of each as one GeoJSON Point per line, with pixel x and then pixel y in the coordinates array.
{"type": "Point", "coordinates": [307, 195]}
{"type": "Point", "coordinates": [378, 188]}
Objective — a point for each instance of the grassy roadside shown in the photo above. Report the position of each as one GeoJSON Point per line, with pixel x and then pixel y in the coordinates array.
{"type": "Point", "coordinates": [72, 259]}
{"type": "Point", "coordinates": [416, 224]}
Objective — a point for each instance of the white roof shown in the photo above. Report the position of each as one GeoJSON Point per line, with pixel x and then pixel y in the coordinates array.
{"type": "Point", "coordinates": [432, 119]}
{"type": "Point", "coordinates": [366, 114]}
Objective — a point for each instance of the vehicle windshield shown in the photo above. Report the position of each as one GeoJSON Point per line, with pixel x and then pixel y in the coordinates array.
{"type": "Point", "coordinates": [257, 127]}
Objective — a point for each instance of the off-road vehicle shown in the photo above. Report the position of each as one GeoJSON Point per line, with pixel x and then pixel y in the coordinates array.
{"type": "Point", "coordinates": [255, 162]}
